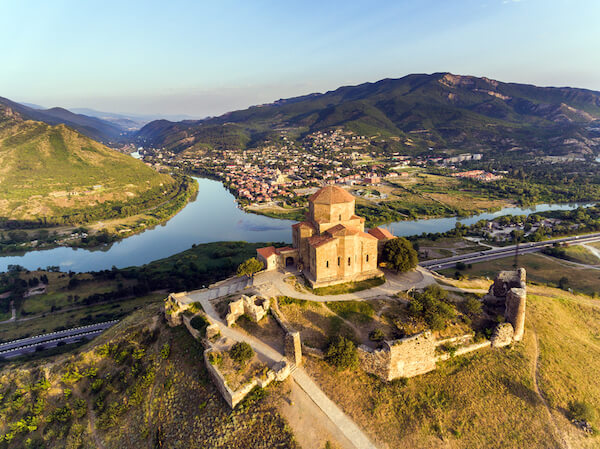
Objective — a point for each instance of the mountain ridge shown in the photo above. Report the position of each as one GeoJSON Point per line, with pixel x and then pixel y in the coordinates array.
{"type": "Point", "coordinates": [92, 127]}
{"type": "Point", "coordinates": [446, 110]}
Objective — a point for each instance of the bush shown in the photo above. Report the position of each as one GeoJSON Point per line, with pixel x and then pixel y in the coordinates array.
{"type": "Point", "coordinates": [472, 306]}
{"type": "Point", "coordinates": [200, 324]}
{"type": "Point", "coordinates": [581, 411]}
{"type": "Point", "coordinates": [342, 353]}
{"type": "Point", "coordinates": [430, 306]}
{"type": "Point", "coordinates": [215, 358]}
{"type": "Point", "coordinates": [165, 351]}
{"type": "Point", "coordinates": [241, 352]}
{"type": "Point", "coordinates": [376, 335]}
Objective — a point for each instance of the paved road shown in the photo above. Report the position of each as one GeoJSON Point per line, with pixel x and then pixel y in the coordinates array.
{"type": "Point", "coordinates": [490, 254]}
{"type": "Point", "coordinates": [26, 345]}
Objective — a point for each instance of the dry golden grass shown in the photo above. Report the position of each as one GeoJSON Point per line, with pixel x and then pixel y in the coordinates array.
{"type": "Point", "coordinates": [488, 399]}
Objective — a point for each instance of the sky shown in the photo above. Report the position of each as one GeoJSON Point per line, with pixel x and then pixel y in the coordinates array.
{"type": "Point", "coordinates": [205, 58]}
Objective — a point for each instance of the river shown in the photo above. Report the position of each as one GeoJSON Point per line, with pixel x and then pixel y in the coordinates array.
{"type": "Point", "coordinates": [214, 216]}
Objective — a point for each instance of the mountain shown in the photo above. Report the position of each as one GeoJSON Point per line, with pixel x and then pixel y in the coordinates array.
{"type": "Point", "coordinates": [411, 114]}
{"type": "Point", "coordinates": [129, 122]}
{"type": "Point", "coordinates": [47, 171]}
{"type": "Point", "coordinates": [92, 127]}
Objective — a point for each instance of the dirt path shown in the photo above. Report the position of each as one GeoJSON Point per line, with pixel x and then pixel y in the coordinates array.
{"type": "Point", "coordinates": [564, 443]}
{"type": "Point", "coordinates": [92, 428]}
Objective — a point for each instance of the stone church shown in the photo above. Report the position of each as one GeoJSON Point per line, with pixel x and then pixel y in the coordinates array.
{"type": "Point", "coordinates": [331, 245]}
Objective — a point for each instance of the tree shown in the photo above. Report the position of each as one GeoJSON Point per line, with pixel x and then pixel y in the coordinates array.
{"type": "Point", "coordinates": [342, 353]}
{"type": "Point", "coordinates": [250, 267]}
{"type": "Point", "coordinates": [399, 254]}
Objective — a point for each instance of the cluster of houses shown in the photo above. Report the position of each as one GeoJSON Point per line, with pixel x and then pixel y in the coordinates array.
{"type": "Point", "coordinates": [479, 175]}
{"type": "Point", "coordinates": [276, 171]}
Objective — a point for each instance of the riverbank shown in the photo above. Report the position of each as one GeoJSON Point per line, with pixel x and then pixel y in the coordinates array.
{"type": "Point", "coordinates": [212, 216]}
{"type": "Point", "coordinates": [97, 234]}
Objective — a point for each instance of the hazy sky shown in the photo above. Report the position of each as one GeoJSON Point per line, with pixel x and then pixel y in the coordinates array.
{"type": "Point", "coordinates": [205, 58]}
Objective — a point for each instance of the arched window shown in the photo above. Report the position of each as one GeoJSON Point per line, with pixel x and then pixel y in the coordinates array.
{"type": "Point", "coordinates": [349, 259]}
{"type": "Point", "coordinates": [367, 257]}
{"type": "Point", "coordinates": [327, 264]}
{"type": "Point", "coordinates": [340, 217]}
{"type": "Point", "coordinates": [339, 261]}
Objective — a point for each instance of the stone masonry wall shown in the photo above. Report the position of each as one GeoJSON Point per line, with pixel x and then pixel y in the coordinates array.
{"type": "Point", "coordinates": [406, 357]}
{"type": "Point", "coordinates": [516, 300]}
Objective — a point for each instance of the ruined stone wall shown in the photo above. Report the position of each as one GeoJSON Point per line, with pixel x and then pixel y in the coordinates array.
{"type": "Point", "coordinates": [406, 357]}
{"type": "Point", "coordinates": [375, 361]}
{"type": "Point", "coordinates": [293, 348]}
{"type": "Point", "coordinates": [253, 307]}
{"type": "Point", "coordinates": [516, 300]}
{"type": "Point", "coordinates": [502, 336]}
{"type": "Point", "coordinates": [413, 355]}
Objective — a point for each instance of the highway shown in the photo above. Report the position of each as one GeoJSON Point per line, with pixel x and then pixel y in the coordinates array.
{"type": "Point", "coordinates": [507, 251]}
{"type": "Point", "coordinates": [30, 344]}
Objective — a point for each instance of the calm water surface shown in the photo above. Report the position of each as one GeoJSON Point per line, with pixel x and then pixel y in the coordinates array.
{"type": "Point", "coordinates": [213, 217]}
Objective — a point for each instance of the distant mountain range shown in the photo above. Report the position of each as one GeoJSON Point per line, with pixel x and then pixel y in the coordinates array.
{"type": "Point", "coordinates": [105, 127]}
{"type": "Point", "coordinates": [413, 114]}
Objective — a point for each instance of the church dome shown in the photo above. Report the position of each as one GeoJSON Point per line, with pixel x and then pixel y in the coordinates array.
{"type": "Point", "coordinates": [331, 195]}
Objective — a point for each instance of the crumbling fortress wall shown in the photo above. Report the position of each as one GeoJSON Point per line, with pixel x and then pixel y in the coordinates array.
{"type": "Point", "coordinates": [510, 290]}
{"type": "Point", "coordinates": [415, 355]}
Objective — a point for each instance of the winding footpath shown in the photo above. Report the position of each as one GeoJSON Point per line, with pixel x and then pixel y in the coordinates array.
{"type": "Point", "coordinates": [564, 443]}
{"type": "Point", "coordinates": [345, 425]}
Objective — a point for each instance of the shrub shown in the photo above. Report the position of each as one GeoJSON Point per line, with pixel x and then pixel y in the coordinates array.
{"type": "Point", "coordinates": [473, 306]}
{"type": "Point", "coordinates": [376, 335]}
{"type": "Point", "coordinates": [342, 353]}
{"type": "Point", "coordinates": [430, 306]}
{"type": "Point", "coordinates": [195, 307]}
{"type": "Point", "coordinates": [215, 358]}
{"type": "Point", "coordinates": [165, 351]}
{"type": "Point", "coordinates": [241, 352]}
{"type": "Point", "coordinates": [200, 324]}
{"type": "Point", "coordinates": [581, 411]}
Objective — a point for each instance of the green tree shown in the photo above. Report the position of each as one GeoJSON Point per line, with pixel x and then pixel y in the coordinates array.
{"type": "Point", "coordinates": [342, 353]}
{"type": "Point", "coordinates": [400, 254]}
{"type": "Point", "coordinates": [250, 267]}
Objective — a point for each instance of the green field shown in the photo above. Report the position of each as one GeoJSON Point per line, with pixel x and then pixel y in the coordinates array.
{"type": "Point", "coordinates": [541, 269]}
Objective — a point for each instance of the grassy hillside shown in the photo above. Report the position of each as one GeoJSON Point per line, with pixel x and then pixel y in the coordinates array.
{"type": "Point", "coordinates": [440, 110]}
{"type": "Point", "coordinates": [507, 398]}
{"type": "Point", "coordinates": [141, 384]}
{"type": "Point", "coordinates": [49, 171]}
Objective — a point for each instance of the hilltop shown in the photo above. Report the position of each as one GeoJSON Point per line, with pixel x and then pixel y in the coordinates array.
{"type": "Point", "coordinates": [140, 384]}
{"type": "Point", "coordinates": [410, 114]}
{"type": "Point", "coordinates": [51, 173]}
